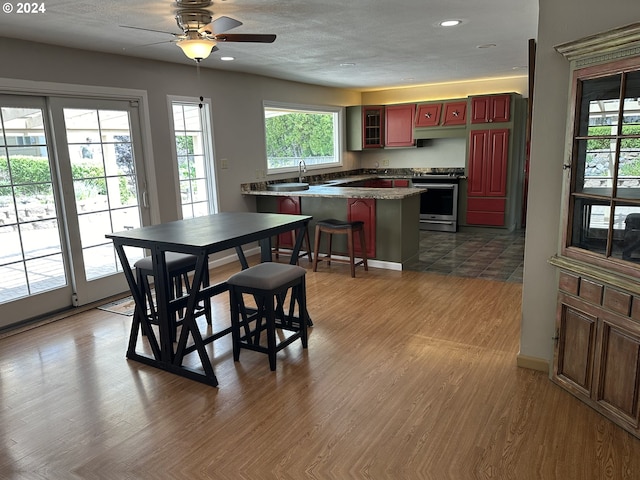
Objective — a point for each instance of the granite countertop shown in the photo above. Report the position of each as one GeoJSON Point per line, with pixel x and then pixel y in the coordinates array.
{"type": "Point", "coordinates": [340, 188]}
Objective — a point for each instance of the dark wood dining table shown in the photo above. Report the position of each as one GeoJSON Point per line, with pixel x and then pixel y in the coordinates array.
{"type": "Point", "coordinates": [200, 236]}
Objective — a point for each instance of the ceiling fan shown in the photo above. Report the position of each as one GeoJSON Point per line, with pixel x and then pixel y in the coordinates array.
{"type": "Point", "coordinates": [200, 33]}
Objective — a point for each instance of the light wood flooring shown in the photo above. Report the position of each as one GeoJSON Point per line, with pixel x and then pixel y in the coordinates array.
{"type": "Point", "coordinates": [408, 375]}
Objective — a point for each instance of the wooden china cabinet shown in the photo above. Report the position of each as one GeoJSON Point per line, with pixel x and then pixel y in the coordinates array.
{"type": "Point", "coordinates": [597, 349]}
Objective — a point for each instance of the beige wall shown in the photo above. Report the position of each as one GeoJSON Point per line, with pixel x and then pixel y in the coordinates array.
{"type": "Point", "coordinates": [236, 108]}
{"type": "Point", "coordinates": [559, 22]}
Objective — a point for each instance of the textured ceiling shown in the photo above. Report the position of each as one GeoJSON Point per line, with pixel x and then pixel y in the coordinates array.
{"type": "Point", "coordinates": [392, 43]}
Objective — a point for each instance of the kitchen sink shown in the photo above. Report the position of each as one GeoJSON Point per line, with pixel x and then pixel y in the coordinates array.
{"type": "Point", "coordinates": [287, 187]}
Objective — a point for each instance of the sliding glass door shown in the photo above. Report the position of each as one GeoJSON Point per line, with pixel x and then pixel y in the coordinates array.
{"type": "Point", "coordinates": [57, 204]}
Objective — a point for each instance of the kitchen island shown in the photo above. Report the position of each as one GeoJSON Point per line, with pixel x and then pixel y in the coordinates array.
{"type": "Point", "coordinates": [391, 214]}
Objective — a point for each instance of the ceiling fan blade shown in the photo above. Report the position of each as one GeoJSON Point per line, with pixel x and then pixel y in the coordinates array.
{"type": "Point", "coordinates": [245, 37]}
{"type": "Point", "coordinates": [221, 24]}
{"type": "Point", "coordinates": [149, 30]}
{"type": "Point", "coordinates": [147, 45]}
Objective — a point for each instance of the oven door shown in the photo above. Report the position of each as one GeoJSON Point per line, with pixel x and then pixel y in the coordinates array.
{"type": "Point", "coordinates": [439, 206]}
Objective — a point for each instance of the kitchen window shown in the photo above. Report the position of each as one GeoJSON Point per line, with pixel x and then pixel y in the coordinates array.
{"type": "Point", "coordinates": [604, 203]}
{"type": "Point", "coordinates": [194, 156]}
{"type": "Point", "coordinates": [298, 133]}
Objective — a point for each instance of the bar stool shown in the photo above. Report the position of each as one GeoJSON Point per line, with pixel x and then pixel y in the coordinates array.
{"type": "Point", "coordinates": [178, 267]}
{"type": "Point", "coordinates": [269, 283]}
{"type": "Point", "coordinates": [286, 251]}
{"type": "Point", "coordinates": [331, 227]}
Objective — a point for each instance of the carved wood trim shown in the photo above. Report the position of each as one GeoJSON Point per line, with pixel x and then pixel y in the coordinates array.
{"type": "Point", "coordinates": [606, 46]}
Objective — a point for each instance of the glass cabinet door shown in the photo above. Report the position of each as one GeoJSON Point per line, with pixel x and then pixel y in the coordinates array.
{"type": "Point", "coordinates": [605, 187]}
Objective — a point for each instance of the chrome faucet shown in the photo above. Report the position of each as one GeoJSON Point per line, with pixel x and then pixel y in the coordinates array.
{"type": "Point", "coordinates": [302, 167]}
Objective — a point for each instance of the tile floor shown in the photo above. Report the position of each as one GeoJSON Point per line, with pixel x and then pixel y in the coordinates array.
{"type": "Point", "coordinates": [493, 256]}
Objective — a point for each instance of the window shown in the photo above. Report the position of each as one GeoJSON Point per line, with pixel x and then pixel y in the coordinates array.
{"type": "Point", "coordinates": [605, 190]}
{"type": "Point", "coordinates": [301, 133]}
{"type": "Point", "coordinates": [194, 157]}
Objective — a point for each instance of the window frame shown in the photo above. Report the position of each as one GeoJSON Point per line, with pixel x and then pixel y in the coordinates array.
{"type": "Point", "coordinates": [208, 151]}
{"type": "Point", "coordinates": [574, 197]}
{"type": "Point", "coordinates": [338, 133]}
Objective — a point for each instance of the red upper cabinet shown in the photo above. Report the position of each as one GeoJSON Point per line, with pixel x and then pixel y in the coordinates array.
{"type": "Point", "coordinates": [428, 115]}
{"type": "Point", "coordinates": [455, 113]}
{"type": "Point", "coordinates": [491, 109]}
{"type": "Point", "coordinates": [399, 125]}
{"type": "Point", "coordinates": [372, 127]}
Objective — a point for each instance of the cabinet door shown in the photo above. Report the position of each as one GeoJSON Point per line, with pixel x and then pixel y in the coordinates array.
{"type": "Point", "coordinates": [575, 349]}
{"type": "Point", "coordinates": [399, 121]}
{"type": "Point", "coordinates": [490, 108]}
{"type": "Point", "coordinates": [455, 113]}
{"type": "Point", "coordinates": [616, 387]}
{"type": "Point", "coordinates": [364, 210]}
{"type": "Point", "coordinates": [289, 205]}
{"type": "Point", "coordinates": [500, 107]}
{"type": "Point", "coordinates": [480, 109]}
{"type": "Point", "coordinates": [488, 155]}
{"type": "Point", "coordinates": [476, 174]}
{"type": "Point", "coordinates": [486, 211]}
{"type": "Point", "coordinates": [428, 115]}
{"type": "Point", "coordinates": [372, 127]}
{"type": "Point", "coordinates": [496, 163]}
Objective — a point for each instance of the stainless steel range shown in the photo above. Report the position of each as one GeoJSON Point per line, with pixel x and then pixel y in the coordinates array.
{"type": "Point", "coordinates": [439, 202]}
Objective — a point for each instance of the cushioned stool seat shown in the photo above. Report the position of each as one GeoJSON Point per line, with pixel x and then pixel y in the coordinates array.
{"type": "Point", "coordinates": [178, 267]}
{"type": "Point", "coordinates": [332, 226]}
{"type": "Point", "coordinates": [268, 283]}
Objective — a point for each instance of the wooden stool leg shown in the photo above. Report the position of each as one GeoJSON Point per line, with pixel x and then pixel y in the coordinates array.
{"type": "Point", "coordinates": [363, 248]}
{"type": "Point", "coordinates": [328, 257]}
{"type": "Point", "coordinates": [350, 249]}
{"type": "Point", "coordinates": [306, 237]}
{"type": "Point", "coordinates": [276, 247]}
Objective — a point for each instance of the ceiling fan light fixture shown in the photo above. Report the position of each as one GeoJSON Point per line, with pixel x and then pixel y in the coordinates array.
{"type": "Point", "coordinates": [196, 49]}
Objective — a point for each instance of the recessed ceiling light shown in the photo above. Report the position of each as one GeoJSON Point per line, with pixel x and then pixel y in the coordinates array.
{"type": "Point", "coordinates": [487, 45]}
{"type": "Point", "coordinates": [227, 59]}
{"type": "Point", "coordinates": [348, 64]}
{"type": "Point", "coordinates": [450, 23]}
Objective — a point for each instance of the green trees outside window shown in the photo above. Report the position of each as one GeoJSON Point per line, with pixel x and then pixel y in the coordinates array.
{"type": "Point", "coordinates": [296, 133]}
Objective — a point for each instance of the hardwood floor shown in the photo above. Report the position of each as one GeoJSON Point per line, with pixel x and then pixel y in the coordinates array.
{"type": "Point", "coordinates": [408, 375]}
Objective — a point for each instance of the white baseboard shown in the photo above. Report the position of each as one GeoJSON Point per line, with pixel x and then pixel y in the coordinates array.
{"type": "Point", "coordinates": [532, 363]}
{"type": "Point", "coordinates": [370, 262]}
{"type": "Point", "coordinates": [373, 263]}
